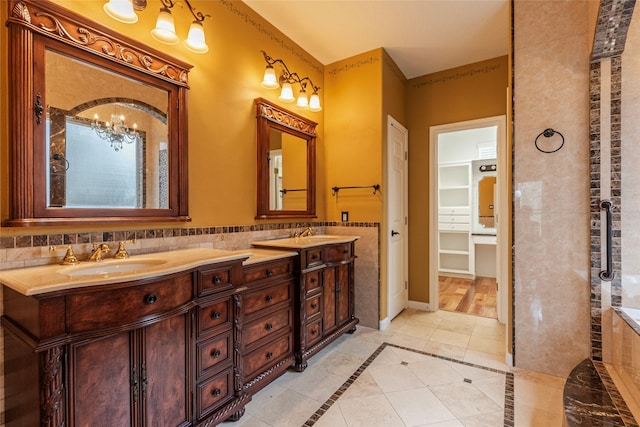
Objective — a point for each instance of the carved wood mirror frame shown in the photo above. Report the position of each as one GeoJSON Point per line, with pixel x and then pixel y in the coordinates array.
{"type": "Point", "coordinates": [35, 26]}
{"type": "Point", "coordinates": [270, 116]}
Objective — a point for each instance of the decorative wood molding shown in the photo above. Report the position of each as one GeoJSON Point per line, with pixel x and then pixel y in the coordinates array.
{"type": "Point", "coordinates": [285, 118]}
{"type": "Point", "coordinates": [51, 21]}
{"type": "Point", "coordinates": [52, 408]}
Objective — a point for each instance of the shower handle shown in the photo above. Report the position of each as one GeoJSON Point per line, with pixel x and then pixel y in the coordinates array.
{"type": "Point", "coordinates": [608, 274]}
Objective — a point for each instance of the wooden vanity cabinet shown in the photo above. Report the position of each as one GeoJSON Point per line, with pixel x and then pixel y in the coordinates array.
{"type": "Point", "coordinates": [152, 352]}
{"type": "Point", "coordinates": [323, 298]}
{"type": "Point", "coordinates": [265, 324]}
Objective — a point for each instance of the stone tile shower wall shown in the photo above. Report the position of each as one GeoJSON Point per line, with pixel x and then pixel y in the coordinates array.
{"type": "Point", "coordinates": [551, 210]}
{"type": "Point", "coordinates": [611, 129]}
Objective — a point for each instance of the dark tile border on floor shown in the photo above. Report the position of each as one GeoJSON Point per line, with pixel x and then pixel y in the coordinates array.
{"type": "Point", "coordinates": [508, 390]}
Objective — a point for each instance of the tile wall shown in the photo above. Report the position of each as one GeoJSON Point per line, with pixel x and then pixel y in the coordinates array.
{"type": "Point", "coordinates": [551, 190]}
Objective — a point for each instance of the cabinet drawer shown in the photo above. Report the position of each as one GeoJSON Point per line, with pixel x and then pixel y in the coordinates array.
{"type": "Point", "coordinates": [314, 256]}
{"type": "Point", "coordinates": [214, 392]}
{"type": "Point", "coordinates": [312, 281]}
{"type": "Point", "coordinates": [458, 210]}
{"type": "Point", "coordinates": [313, 332]}
{"type": "Point", "coordinates": [96, 310]}
{"type": "Point", "coordinates": [457, 219]}
{"type": "Point", "coordinates": [453, 227]}
{"type": "Point", "coordinates": [267, 270]}
{"type": "Point", "coordinates": [215, 280]}
{"type": "Point", "coordinates": [312, 305]}
{"type": "Point", "coordinates": [261, 359]}
{"type": "Point", "coordinates": [214, 315]}
{"type": "Point", "coordinates": [338, 252]}
{"type": "Point", "coordinates": [266, 326]}
{"type": "Point", "coordinates": [213, 353]}
{"type": "Point", "coordinates": [267, 297]}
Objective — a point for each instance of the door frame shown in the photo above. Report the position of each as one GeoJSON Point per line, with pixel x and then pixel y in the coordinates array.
{"type": "Point", "coordinates": [502, 208]}
{"type": "Point", "coordinates": [391, 122]}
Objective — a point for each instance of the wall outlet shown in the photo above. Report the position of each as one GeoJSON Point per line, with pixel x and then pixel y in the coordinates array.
{"type": "Point", "coordinates": [345, 216]}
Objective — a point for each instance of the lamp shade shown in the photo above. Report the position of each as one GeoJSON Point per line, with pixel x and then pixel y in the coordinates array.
{"type": "Point", "coordinates": [314, 103]}
{"type": "Point", "coordinates": [165, 30]}
{"type": "Point", "coordinates": [270, 81]}
{"type": "Point", "coordinates": [195, 40]}
{"type": "Point", "coordinates": [286, 95]}
{"type": "Point", "coordinates": [302, 102]}
{"type": "Point", "coordinates": [121, 10]}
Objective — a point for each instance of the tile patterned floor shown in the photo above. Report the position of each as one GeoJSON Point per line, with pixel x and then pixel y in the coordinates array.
{"type": "Point", "coordinates": [426, 369]}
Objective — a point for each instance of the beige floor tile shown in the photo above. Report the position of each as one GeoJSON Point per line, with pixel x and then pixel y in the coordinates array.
{"type": "Point", "coordinates": [492, 419]}
{"type": "Point", "coordinates": [487, 360]}
{"type": "Point", "coordinates": [451, 338]}
{"type": "Point", "coordinates": [451, 423]}
{"type": "Point", "coordinates": [369, 411]}
{"type": "Point", "coordinates": [288, 408]}
{"type": "Point", "coordinates": [445, 350]}
{"type": "Point", "coordinates": [418, 407]}
{"type": "Point", "coordinates": [464, 400]}
{"type": "Point", "coordinates": [365, 385]}
{"type": "Point", "coordinates": [394, 377]}
{"type": "Point", "coordinates": [332, 418]}
{"type": "Point", "coordinates": [486, 345]}
{"type": "Point", "coordinates": [433, 372]}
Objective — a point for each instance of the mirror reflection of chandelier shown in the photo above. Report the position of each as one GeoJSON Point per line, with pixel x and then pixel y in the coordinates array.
{"type": "Point", "coordinates": [115, 131]}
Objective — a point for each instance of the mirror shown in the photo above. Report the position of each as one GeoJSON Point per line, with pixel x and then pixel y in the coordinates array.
{"type": "Point", "coordinates": [101, 124]}
{"type": "Point", "coordinates": [486, 188]}
{"type": "Point", "coordinates": [107, 145]}
{"type": "Point", "coordinates": [286, 163]}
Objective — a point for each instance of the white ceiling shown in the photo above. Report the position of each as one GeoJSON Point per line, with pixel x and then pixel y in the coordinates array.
{"type": "Point", "coordinates": [422, 36]}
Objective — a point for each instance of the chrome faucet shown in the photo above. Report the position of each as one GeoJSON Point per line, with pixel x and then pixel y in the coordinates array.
{"type": "Point", "coordinates": [307, 232]}
{"type": "Point", "coordinates": [98, 251]}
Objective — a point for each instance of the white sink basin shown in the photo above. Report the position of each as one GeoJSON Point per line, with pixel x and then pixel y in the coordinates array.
{"type": "Point", "coordinates": [105, 268]}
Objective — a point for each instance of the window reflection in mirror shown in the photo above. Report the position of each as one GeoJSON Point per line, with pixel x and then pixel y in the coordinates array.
{"type": "Point", "coordinates": [107, 143]}
{"type": "Point", "coordinates": [287, 171]}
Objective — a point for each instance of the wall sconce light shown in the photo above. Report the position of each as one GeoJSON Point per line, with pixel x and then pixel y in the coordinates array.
{"type": "Point", "coordinates": [165, 30]}
{"type": "Point", "coordinates": [286, 81]}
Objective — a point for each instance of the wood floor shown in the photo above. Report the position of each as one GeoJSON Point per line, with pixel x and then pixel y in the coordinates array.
{"type": "Point", "coordinates": [469, 296]}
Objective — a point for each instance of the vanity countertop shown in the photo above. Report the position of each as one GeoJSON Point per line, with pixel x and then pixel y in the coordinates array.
{"type": "Point", "coordinates": [49, 278]}
{"type": "Point", "coordinates": [305, 242]}
{"type": "Point", "coordinates": [263, 255]}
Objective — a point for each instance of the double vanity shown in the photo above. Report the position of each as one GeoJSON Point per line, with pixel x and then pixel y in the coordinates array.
{"type": "Point", "coordinates": [180, 338]}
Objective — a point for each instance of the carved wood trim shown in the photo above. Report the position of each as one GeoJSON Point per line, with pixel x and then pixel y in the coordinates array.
{"type": "Point", "coordinates": [52, 406]}
{"type": "Point", "coordinates": [285, 118]}
{"type": "Point", "coordinates": [52, 21]}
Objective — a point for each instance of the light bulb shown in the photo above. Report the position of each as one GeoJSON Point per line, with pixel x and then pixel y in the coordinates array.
{"type": "Point", "coordinates": [314, 103]}
{"type": "Point", "coordinates": [270, 81]}
{"type": "Point", "coordinates": [195, 40]}
{"type": "Point", "coordinates": [286, 94]}
{"type": "Point", "coordinates": [165, 30]}
{"type": "Point", "coordinates": [121, 10]}
{"type": "Point", "coordinates": [302, 102]}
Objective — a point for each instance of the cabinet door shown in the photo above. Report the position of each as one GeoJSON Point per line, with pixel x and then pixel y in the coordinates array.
{"type": "Point", "coordinates": [163, 372]}
{"type": "Point", "coordinates": [101, 382]}
{"type": "Point", "coordinates": [329, 321]}
{"type": "Point", "coordinates": [343, 293]}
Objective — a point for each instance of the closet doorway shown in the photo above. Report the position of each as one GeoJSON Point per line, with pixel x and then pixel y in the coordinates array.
{"type": "Point", "coordinates": [468, 229]}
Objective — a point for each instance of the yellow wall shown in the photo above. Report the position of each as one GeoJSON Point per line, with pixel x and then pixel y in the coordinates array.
{"type": "Point", "coordinates": [465, 93]}
{"type": "Point", "coordinates": [222, 119]}
{"type": "Point", "coordinates": [353, 135]}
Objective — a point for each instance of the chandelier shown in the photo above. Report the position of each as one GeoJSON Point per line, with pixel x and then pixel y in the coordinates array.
{"type": "Point", "coordinates": [115, 131]}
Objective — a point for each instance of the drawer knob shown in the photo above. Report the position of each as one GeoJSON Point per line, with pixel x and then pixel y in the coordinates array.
{"type": "Point", "coordinates": [345, 251]}
{"type": "Point", "coordinates": [215, 354]}
{"type": "Point", "coordinates": [314, 332]}
{"type": "Point", "coordinates": [268, 326]}
{"type": "Point", "coordinates": [215, 315]}
{"type": "Point", "coordinates": [269, 355]}
{"type": "Point", "coordinates": [217, 280]}
{"type": "Point", "coordinates": [150, 299]}
{"type": "Point", "coordinates": [269, 273]}
{"type": "Point", "coordinates": [216, 392]}
{"type": "Point", "coordinates": [314, 257]}
{"type": "Point", "coordinates": [269, 298]}
{"type": "Point", "coordinates": [314, 305]}
{"type": "Point", "coordinates": [314, 280]}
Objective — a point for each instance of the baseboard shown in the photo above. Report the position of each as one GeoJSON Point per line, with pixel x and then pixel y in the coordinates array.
{"type": "Point", "coordinates": [417, 305]}
{"type": "Point", "coordinates": [384, 323]}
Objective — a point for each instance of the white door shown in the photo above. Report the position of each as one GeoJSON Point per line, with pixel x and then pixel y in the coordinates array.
{"type": "Point", "coordinates": [396, 209]}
